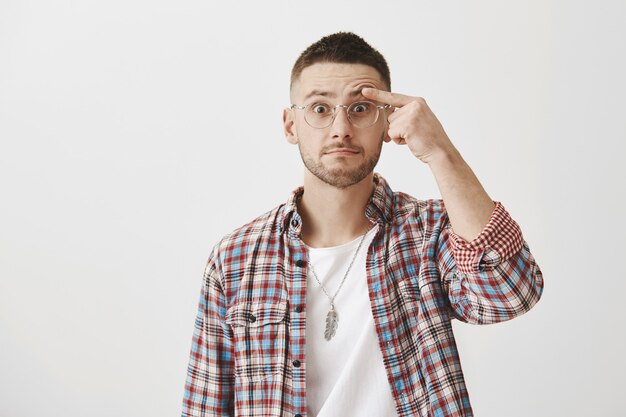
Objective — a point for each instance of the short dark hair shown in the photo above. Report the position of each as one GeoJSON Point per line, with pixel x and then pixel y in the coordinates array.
{"type": "Point", "coordinates": [342, 48]}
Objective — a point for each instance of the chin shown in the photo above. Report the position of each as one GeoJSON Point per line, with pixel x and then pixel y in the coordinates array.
{"type": "Point", "coordinates": [342, 178]}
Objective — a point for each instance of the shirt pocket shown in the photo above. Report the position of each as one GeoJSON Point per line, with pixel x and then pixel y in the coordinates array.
{"type": "Point", "coordinates": [260, 338]}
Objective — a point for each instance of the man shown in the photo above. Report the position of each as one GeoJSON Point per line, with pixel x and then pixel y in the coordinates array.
{"type": "Point", "coordinates": [339, 302]}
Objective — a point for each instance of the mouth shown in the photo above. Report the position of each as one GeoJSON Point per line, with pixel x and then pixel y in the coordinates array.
{"type": "Point", "coordinates": [342, 152]}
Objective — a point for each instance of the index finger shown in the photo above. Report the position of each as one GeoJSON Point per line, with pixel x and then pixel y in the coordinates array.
{"type": "Point", "coordinates": [395, 99]}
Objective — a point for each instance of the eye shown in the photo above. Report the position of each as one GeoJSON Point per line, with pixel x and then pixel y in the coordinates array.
{"type": "Point", "coordinates": [320, 108]}
{"type": "Point", "coordinates": [361, 107]}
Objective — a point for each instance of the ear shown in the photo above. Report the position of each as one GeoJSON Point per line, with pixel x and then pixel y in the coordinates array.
{"type": "Point", "coordinates": [289, 126]}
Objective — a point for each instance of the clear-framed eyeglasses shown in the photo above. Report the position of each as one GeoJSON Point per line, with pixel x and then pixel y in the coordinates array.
{"type": "Point", "coordinates": [361, 113]}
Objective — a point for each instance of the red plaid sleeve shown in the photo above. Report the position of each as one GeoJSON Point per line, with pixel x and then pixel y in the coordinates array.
{"type": "Point", "coordinates": [500, 239]}
{"type": "Point", "coordinates": [494, 277]}
{"type": "Point", "coordinates": [209, 386]}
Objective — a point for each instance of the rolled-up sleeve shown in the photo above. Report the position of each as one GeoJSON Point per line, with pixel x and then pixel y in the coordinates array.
{"type": "Point", "coordinates": [494, 277]}
{"type": "Point", "coordinates": [209, 385]}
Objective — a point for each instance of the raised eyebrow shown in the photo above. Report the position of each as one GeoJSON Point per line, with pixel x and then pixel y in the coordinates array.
{"type": "Point", "coordinates": [321, 93]}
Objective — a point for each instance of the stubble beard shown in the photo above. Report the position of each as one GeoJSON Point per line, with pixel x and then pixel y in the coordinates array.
{"type": "Point", "coordinates": [340, 177]}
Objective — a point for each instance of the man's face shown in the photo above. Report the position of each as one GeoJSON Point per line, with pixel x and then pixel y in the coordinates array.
{"type": "Point", "coordinates": [333, 84]}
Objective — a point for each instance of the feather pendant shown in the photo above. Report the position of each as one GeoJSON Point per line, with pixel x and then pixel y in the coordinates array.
{"type": "Point", "coordinates": [331, 324]}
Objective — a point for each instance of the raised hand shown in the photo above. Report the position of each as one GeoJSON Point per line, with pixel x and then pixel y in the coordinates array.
{"type": "Point", "coordinates": [412, 123]}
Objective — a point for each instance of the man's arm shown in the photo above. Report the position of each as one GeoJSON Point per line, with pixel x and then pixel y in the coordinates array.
{"type": "Point", "coordinates": [414, 124]}
{"type": "Point", "coordinates": [485, 265]}
{"type": "Point", "coordinates": [467, 203]}
{"type": "Point", "coordinates": [209, 385]}
{"type": "Point", "coordinates": [490, 279]}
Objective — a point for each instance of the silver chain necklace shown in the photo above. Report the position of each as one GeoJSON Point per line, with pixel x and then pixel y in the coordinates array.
{"type": "Point", "coordinates": [332, 320]}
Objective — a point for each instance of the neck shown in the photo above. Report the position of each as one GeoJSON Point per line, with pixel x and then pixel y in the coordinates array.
{"type": "Point", "coordinates": [333, 216]}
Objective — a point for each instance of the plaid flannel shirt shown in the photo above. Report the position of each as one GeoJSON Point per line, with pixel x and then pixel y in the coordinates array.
{"type": "Point", "coordinates": [248, 350]}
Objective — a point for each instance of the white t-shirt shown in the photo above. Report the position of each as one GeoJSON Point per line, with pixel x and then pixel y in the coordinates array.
{"type": "Point", "coordinates": [344, 376]}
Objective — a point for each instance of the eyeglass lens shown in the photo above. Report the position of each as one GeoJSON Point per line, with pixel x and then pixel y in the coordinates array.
{"type": "Point", "coordinates": [361, 114]}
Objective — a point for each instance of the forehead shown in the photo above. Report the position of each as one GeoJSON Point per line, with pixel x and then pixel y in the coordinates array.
{"type": "Point", "coordinates": [334, 80]}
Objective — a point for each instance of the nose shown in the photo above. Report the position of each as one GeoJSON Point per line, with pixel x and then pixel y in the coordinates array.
{"type": "Point", "coordinates": [341, 127]}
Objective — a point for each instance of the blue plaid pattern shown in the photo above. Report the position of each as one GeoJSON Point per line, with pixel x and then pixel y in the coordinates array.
{"type": "Point", "coordinates": [248, 350]}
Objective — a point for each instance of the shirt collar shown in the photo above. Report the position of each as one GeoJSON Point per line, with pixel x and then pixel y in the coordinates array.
{"type": "Point", "coordinates": [379, 208]}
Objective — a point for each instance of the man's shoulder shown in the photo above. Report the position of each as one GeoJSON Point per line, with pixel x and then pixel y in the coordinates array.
{"type": "Point", "coordinates": [405, 204]}
{"type": "Point", "coordinates": [231, 255]}
{"type": "Point", "coordinates": [264, 226]}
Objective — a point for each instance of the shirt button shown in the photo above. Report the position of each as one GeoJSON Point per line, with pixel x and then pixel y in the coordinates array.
{"type": "Point", "coordinates": [298, 309]}
{"type": "Point", "coordinates": [294, 223]}
{"type": "Point", "coordinates": [298, 415]}
{"type": "Point", "coordinates": [300, 263]}
{"type": "Point", "coordinates": [296, 363]}
{"type": "Point", "coordinates": [251, 318]}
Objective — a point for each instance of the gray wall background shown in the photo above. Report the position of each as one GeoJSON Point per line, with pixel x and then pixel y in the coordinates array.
{"type": "Point", "coordinates": [134, 134]}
